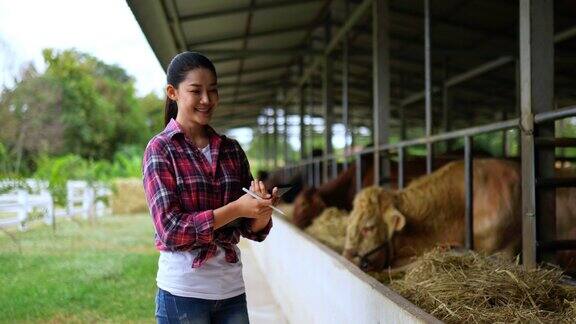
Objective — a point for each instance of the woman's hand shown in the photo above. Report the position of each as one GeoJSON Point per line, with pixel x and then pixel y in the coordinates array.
{"type": "Point", "coordinates": [260, 189]}
{"type": "Point", "coordinates": [255, 208]}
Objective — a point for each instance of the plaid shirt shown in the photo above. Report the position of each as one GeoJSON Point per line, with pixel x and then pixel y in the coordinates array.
{"type": "Point", "coordinates": [182, 189]}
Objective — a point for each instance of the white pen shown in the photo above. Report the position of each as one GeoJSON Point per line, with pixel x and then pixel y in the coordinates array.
{"type": "Point", "coordinates": [251, 193]}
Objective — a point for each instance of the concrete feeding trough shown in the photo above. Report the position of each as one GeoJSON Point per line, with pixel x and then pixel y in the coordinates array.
{"type": "Point", "coordinates": [313, 284]}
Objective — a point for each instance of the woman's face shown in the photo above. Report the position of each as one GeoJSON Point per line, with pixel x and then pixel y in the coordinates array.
{"type": "Point", "coordinates": [196, 96]}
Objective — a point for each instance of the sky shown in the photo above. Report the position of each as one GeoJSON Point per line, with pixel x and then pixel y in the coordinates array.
{"type": "Point", "coordinates": [105, 29]}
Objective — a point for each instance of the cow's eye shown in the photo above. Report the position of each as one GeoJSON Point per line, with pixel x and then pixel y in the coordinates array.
{"type": "Point", "coordinates": [368, 229]}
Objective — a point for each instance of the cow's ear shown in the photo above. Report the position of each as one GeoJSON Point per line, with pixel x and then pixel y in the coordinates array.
{"type": "Point", "coordinates": [395, 220]}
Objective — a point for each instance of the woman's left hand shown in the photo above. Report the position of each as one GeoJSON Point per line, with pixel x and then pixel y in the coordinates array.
{"type": "Point", "coordinates": [260, 189]}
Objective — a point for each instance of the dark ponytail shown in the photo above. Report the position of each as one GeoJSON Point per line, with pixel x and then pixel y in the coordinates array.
{"type": "Point", "coordinates": [180, 65]}
{"type": "Point", "coordinates": [170, 110]}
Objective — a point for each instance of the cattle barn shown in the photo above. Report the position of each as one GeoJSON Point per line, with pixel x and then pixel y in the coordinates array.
{"type": "Point", "coordinates": [385, 83]}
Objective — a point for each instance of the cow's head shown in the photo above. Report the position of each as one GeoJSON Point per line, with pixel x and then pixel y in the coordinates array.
{"type": "Point", "coordinates": [307, 206]}
{"type": "Point", "coordinates": [373, 222]}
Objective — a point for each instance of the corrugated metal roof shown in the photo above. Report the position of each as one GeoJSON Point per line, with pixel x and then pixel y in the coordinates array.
{"type": "Point", "coordinates": [257, 44]}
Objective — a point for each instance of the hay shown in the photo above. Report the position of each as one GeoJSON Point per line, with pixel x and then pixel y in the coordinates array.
{"type": "Point", "coordinates": [128, 197]}
{"type": "Point", "coordinates": [330, 228]}
{"type": "Point", "coordinates": [468, 287]}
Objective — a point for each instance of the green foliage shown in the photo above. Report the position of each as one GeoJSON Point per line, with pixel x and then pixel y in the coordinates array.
{"type": "Point", "coordinates": [127, 163]}
{"type": "Point", "coordinates": [99, 107]}
{"type": "Point", "coordinates": [152, 107]}
{"type": "Point", "coordinates": [79, 113]}
{"type": "Point", "coordinates": [57, 171]}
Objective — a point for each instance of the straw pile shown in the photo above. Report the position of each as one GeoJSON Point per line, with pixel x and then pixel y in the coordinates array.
{"type": "Point", "coordinates": [330, 228]}
{"type": "Point", "coordinates": [468, 287]}
{"type": "Point", "coordinates": [128, 197]}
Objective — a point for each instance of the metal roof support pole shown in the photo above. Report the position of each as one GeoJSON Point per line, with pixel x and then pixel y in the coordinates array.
{"type": "Point", "coordinates": [536, 95]}
{"type": "Point", "coordinates": [302, 106]}
{"type": "Point", "coordinates": [350, 22]}
{"type": "Point", "coordinates": [446, 103]}
{"type": "Point", "coordinates": [401, 151]}
{"type": "Point", "coordinates": [381, 76]}
{"type": "Point", "coordinates": [266, 141]}
{"type": "Point", "coordinates": [327, 97]}
{"type": "Point", "coordinates": [402, 110]}
{"type": "Point", "coordinates": [311, 110]}
{"type": "Point", "coordinates": [285, 133]}
{"type": "Point", "coordinates": [285, 128]}
{"type": "Point", "coordinates": [469, 192]}
{"type": "Point", "coordinates": [505, 151]}
{"type": "Point", "coordinates": [275, 150]}
{"type": "Point", "coordinates": [345, 72]}
{"type": "Point", "coordinates": [428, 84]}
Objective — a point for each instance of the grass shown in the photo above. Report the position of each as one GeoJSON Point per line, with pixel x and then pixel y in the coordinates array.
{"type": "Point", "coordinates": [100, 272]}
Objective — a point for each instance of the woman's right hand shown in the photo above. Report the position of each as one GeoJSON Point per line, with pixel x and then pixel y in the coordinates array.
{"type": "Point", "coordinates": [251, 207]}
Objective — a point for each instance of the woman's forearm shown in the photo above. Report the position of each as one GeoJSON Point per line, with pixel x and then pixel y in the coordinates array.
{"type": "Point", "coordinates": [225, 214]}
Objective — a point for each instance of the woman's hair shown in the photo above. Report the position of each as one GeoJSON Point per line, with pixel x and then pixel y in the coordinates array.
{"type": "Point", "coordinates": [180, 65]}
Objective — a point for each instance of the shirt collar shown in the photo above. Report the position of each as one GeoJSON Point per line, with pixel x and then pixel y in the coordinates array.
{"type": "Point", "coordinates": [174, 128]}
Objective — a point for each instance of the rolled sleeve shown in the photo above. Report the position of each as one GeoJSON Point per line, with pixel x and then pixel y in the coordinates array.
{"type": "Point", "coordinates": [175, 229]}
{"type": "Point", "coordinates": [246, 230]}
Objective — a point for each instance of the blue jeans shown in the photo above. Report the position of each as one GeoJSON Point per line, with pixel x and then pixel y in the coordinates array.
{"type": "Point", "coordinates": [175, 309]}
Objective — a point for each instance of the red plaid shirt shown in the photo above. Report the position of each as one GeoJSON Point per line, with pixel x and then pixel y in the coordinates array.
{"type": "Point", "coordinates": [182, 189]}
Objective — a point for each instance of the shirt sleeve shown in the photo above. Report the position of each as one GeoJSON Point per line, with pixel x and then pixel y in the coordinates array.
{"type": "Point", "coordinates": [176, 229]}
{"type": "Point", "coordinates": [246, 223]}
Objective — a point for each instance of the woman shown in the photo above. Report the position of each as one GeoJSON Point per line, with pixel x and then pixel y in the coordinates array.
{"type": "Point", "coordinates": [193, 179]}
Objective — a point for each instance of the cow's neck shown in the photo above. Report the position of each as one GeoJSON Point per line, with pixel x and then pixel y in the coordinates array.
{"type": "Point", "coordinates": [337, 191]}
{"type": "Point", "coordinates": [427, 218]}
{"type": "Point", "coordinates": [424, 201]}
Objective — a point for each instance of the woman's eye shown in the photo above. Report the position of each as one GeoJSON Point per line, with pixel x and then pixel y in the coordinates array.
{"type": "Point", "coordinates": [195, 91]}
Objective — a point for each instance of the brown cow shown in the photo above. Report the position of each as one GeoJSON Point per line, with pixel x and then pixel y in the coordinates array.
{"type": "Point", "coordinates": [339, 192]}
{"type": "Point", "coordinates": [430, 212]}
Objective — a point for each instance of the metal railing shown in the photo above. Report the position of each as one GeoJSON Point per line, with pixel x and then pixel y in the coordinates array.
{"type": "Point", "coordinates": [310, 168]}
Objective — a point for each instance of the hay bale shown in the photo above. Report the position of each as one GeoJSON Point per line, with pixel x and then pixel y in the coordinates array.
{"type": "Point", "coordinates": [330, 228]}
{"type": "Point", "coordinates": [468, 287]}
{"type": "Point", "coordinates": [128, 197]}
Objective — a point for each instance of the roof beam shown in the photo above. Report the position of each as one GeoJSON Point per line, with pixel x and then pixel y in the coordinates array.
{"type": "Point", "coordinates": [254, 99]}
{"type": "Point", "coordinates": [242, 9]}
{"type": "Point", "coordinates": [263, 82]}
{"type": "Point", "coordinates": [244, 47]}
{"type": "Point", "coordinates": [177, 30]}
{"type": "Point", "coordinates": [352, 20]}
{"type": "Point", "coordinates": [270, 32]}
{"type": "Point", "coordinates": [255, 70]}
{"type": "Point", "coordinates": [240, 53]}
{"type": "Point", "coordinates": [483, 68]}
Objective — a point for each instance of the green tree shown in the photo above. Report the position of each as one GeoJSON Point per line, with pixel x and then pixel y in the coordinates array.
{"type": "Point", "coordinates": [152, 108]}
{"type": "Point", "coordinates": [30, 122]}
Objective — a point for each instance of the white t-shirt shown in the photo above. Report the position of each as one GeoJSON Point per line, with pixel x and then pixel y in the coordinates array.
{"type": "Point", "coordinates": [215, 279]}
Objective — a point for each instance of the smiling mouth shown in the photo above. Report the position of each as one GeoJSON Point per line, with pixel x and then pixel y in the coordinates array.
{"type": "Point", "coordinates": [207, 110]}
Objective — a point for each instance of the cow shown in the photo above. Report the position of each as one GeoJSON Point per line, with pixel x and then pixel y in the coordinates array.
{"type": "Point", "coordinates": [295, 182]}
{"type": "Point", "coordinates": [340, 192]}
{"type": "Point", "coordinates": [389, 227]}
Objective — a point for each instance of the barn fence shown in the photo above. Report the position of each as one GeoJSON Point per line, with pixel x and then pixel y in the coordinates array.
{"type": "Point", "coordinates": [32, 197]}
{"type": "Point", "coordinates": [318, 170]}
